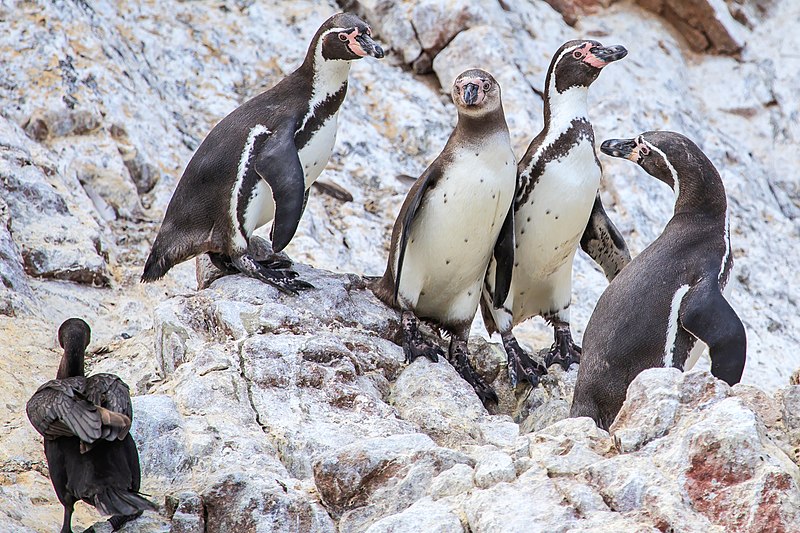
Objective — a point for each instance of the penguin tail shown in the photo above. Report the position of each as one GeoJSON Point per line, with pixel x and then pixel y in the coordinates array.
{"type": "Point", "coordinates": [166, 254]}
{"type": "Point", "coordinates": [115, 501]}
{"type": "Point", "coordinates": [156, 266]}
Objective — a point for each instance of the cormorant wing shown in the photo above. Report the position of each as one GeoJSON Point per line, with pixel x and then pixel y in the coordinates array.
{"type": "Point", "coordinates": [59, 409]}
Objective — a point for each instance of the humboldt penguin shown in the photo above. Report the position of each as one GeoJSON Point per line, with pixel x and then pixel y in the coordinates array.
{"type": "Point", "coordinates": [670, 295]}
{"type": "Point", "coordinates": [259, 162]}
{"type": "Point", "coordinates": [557, 208]}
{"type": "Point", "coordinates": [454, 219]}
{"type": "Point", "coordinates": [85, 422]}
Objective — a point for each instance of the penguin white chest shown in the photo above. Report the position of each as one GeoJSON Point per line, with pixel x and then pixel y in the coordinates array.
{"type": "Point", "coordinates": [453, 235]}
{"type": "Point", "coordinates": [317, 151]}
{"type": "Point", "coordinates": [548, 229]}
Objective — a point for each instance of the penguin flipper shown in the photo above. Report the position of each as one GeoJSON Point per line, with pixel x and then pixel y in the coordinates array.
{"type": "Point", "coordinates": [504, 259]}
{"type": "Point", "coordinates": [409, 212]}
{"type": "Point", "coordinates": [603, 242]}
{"type": "Point", "coordinates": [706, 314]}
{"type": "Point", "coordinates": [278, 164]}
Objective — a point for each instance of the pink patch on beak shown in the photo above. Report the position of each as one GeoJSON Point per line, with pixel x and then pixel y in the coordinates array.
{"type": "Point", "coordinates": [594, 61]}
{"type": "Point", "coordinates": [354, 45]}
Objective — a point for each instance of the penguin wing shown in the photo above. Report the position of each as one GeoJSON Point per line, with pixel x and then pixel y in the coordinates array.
{"type": "Point", "coordinates": [58, 409]}
{"type": "Point", "coordinates": [279, 165]}
{"type": "Point", "coordinates": [504, 259]}
{"type": "Point", "coordinates": [409, 212]}
{"type": "Point", "coordinates": [707, 315]}
{"type": "Point", "coordinates": [603, 242]}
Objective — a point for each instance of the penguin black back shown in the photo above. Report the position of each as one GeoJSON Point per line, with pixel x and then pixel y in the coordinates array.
{"type": "Point", "coordinates": [669, 296]}
{"type": "Point", "coordinates": [85, 423]}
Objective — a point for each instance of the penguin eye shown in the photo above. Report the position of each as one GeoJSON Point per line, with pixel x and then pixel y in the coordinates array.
{"type": "Point", "coordinates": [577, 54]}
{"type": "Point", "coordinates": [342, 37]}
{"type": "Point", "coordinates": [644, 149]}
{"type": "Point", "coordinates": [486, 86]}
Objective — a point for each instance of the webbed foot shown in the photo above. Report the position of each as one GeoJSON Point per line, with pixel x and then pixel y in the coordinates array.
{"type": "Point", "coordinates": [284, 280]}
{"type": "Point", "coordinates": [564, 351]}
{"type": "Point", "coordinates": [414, 344]}
{"type": "Point", "coordinates": [521, 366]}
{"type": "Point", "coordinates": [458, 358]}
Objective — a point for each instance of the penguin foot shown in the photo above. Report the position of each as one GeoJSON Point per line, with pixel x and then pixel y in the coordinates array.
{"type": "Point", "coordinates": [414, 344]}
{"type": "Point", "coordinates": [117, 521]}
{"type": "Point", "coordinates": [563, 351]}
{"type": "Point", "coordinates": [458, 358]}
{"type": "Point", "coordinates": [521, 367]}
{"type": "Point", "coordinates": [284, 280]}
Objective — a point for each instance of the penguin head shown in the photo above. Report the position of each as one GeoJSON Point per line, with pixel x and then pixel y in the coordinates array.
{"type": "Point", "coordinates": [476, 92]}
{"type": "Point", "coordinates": [74, 333]}
{"type": "Point", "coordinates": [578, 63]}
{"type": "Point", "coordinates": [345, 37]}
{"type": "Point", "coordinates": [663, 154]}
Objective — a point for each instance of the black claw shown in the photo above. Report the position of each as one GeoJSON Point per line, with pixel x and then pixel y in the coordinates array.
{"type": "Point", "coordinates": [563, 352]}
{"type": "Point", "coordinates": [117, 521]}
{"type": "Point", "coordinates": [414, 344]}
{"type": "Point", "coordinates": [458, 358]}
{"type": "Point", "coordinates": [521, 366]}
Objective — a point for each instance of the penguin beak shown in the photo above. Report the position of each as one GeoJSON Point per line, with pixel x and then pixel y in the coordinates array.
{"type": "Point", "coordinates": [609, 54]}
{"type": "Point", "coordinates": [618, 147]}
{"type": "Point", "coordinates": [470, 93]}
{"type": "Point", "coordinates": [369, 46]}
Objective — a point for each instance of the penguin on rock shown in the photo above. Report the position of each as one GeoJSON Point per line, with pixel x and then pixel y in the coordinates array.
{"type": "Point", "coordinates": [670, 296]}
{"type": "Point", "coordinates": [557, 207]}
{"type": "Point", "coordinates": [456, 217]}
{"type": "Point", "coordinates": [258, 163]}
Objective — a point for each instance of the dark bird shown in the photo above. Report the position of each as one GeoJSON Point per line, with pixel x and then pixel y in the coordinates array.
{"type": "Point", "coordinates": [258, 163]}
{"type": "Point", "coordinates": [85, 422]}
{"type": "Point", "coordinates": [670, 296]}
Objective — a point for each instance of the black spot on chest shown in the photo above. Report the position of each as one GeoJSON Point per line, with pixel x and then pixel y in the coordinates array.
{"type": "Point", "coordinates": [321, 113]}
{"type": "Point", "coordinates": [580, 129]}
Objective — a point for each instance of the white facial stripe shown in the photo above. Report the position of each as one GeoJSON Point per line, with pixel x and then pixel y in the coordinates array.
{"type": "Point", "coordinates": [329, 76]}
{"type": "Point", "coordinates": [564, 107]}
{"type": "Point", "coordinates": [672, 325]}
{"type": "Point", "coordinates": [244, 160]}
{"type": "Point", "coordinates": [676, 184]}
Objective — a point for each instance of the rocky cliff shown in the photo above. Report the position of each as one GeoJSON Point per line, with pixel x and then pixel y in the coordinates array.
{"type": "Point", "coordinates": [260, 412]}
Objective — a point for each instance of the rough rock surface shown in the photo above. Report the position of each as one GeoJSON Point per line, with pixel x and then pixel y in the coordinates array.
{"type": "Point", "coordinates": [259, 412]}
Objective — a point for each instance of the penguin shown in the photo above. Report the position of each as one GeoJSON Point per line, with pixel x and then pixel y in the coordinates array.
{"type": "Point", "coordinates": [557, 207]}
{"type": "Point", "coordinates": [670, 296]}
{"type": "Point", "coordinates": [456, 216]}
{"type": "Point", "coordinates": [258, 163]}
{"type": "Point", "coordinates": [85, 422]}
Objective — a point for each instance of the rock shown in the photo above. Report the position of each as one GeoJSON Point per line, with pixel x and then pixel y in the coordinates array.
{"type": "Point", "coordinates": [186, 514]}
{"type": "Point", "coordinates": [572, 10]}
{"type": "Point", "coordinates": [669, 394]}
{"type": "Point", "coordinates": [707, 25]}
{"type": "Point", "coordinates": [366, 481]}
{"type": "Point", "coordinates": [451, 482]}
{"type": "Point", "coordinates": [424, 515]}
{"type": "Point", "coordinates": [492, 468]}
{"type": "Point", "coordinates": [435, 398]}
{"type": "Point", "coordinates": [15, 293]}
{"type": "Point", "coordinates": [240, 503]}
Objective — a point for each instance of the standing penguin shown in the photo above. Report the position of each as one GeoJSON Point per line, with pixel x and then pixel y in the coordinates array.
{"type": "Point", "coordinates": [85, 423]}
{"type": "Point", "coordinates": [454, 219]}
{"type": "Point", "coordinates": [259, 162]}
{"type": "Point", "coordinates": [670, 295]}
{"type": "Point", "coordinates": [557, 207]}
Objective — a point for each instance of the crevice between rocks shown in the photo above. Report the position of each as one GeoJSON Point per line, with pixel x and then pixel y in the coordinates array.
{"type": "Point", "coordinates": [249, 386]}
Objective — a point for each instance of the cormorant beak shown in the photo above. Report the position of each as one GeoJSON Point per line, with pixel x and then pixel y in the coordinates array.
{"type": "Point", "coordinates": [609, 54]}
{"type": "Point", "coordinates": [470, 93]}
{"type": "Point", "coordinates": [369, 46]}
{"type": "Point", "coordinates": [618, 147]}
